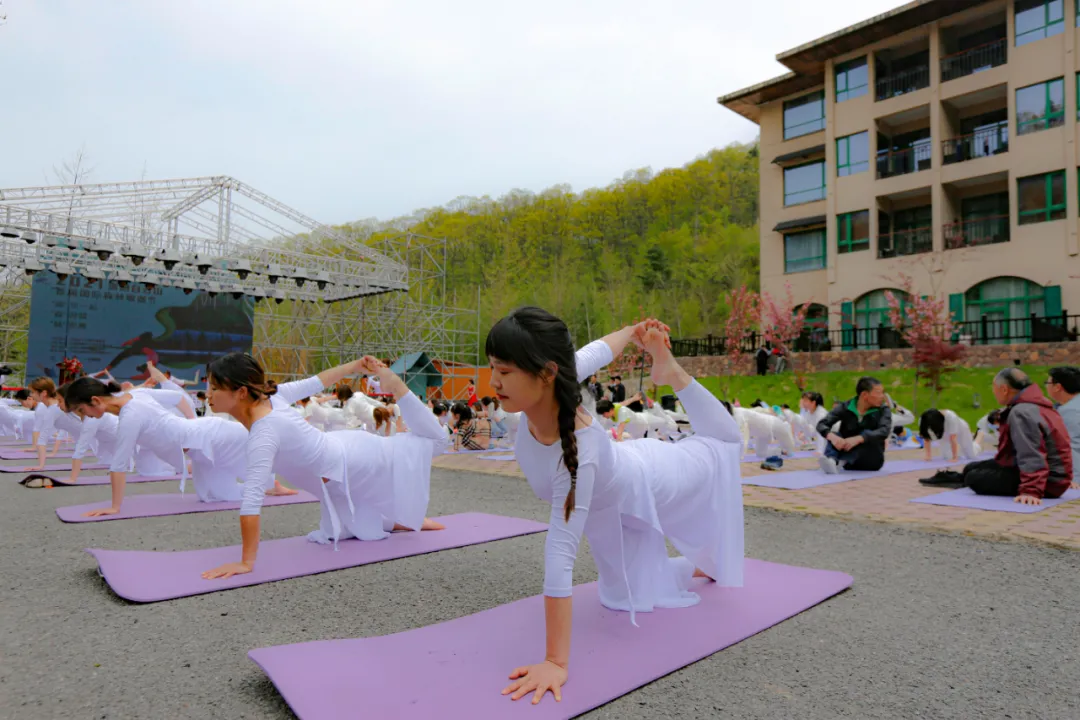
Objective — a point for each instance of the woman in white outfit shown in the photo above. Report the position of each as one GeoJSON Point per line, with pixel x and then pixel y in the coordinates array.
{"type": "Point", "coordinates": [625, 497]}
{"type": "Point", "coordinates": [986, 431]}
{"type": "Point", "coordinates": [766, 430]}
{"type": "Point", "coordinates": [947, 425]}
{"type": "Point", "coordinates": [214, 446]}
{"type": "Point", "coordinates": [811, 412]}
{"type": "Point", "coordinates": [46, 411]}
{"type": "Point", "coordinates": [369, 485]}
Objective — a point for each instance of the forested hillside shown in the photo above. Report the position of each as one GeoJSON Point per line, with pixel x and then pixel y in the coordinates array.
{"type": "Point", "coordinates": [669, 243]}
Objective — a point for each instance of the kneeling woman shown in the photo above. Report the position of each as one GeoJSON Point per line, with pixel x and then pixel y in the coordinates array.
{"type": "Point", "coordinates": [368, 484]}
{"type": "Point", "coordinates": [215, 446]}
{"type": "Point", "coordinates": [626, 497]}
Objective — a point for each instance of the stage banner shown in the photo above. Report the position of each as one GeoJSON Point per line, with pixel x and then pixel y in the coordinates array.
{"type": "Point", "coordinates": [106, 326]}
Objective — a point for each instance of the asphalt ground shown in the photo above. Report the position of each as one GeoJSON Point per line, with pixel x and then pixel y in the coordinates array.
{"type": "Point", "coordinates": [936, 626]}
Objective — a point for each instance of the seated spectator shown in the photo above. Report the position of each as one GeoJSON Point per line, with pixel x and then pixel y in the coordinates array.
{"type": "Point", "coordinates": [865, 424]}
{"type": "Point", "coordinates": [1063, 387]}
{"type": "Point", "coordinates": [1034, 457]}
{"type": "Point", "coordinates": [470, 432]}
{"type": "Point", "coordinates": [947, 425]}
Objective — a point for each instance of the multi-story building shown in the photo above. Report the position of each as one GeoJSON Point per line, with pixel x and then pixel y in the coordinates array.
{"type": "Point", "coordinates": [937, 141]}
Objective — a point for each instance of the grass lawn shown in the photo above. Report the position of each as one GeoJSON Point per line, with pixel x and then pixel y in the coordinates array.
{"type": "Point", "coordinates": [963, 388]}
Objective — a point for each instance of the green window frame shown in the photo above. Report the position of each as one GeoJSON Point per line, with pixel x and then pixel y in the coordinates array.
{"type": "Point", "coordinates": [1038, 19]}
{"type": "Point", "coordinates": [804, 251]}
{"type": "Point", "coordinates": [808, 193]}
{"type": "Point", "coordinates": [804, 115]}
{"type": "Point", "coordinates": [853, 157]}
{"type": "Point", "coordinates": [1052, 106]}
{"type": "Point", "coordinates": [850, 228]}
{"type": "Point", "coordinates": [1041, 198]}
{"type": "Point", "coordinates": [852, 79]}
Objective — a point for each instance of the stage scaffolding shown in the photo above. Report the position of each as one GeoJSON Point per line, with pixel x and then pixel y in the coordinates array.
{"type": "Point", "coordinates": [323, 294]}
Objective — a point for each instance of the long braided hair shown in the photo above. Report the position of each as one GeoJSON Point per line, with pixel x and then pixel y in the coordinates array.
{"type": "Point", "coordinates": [532, 339]}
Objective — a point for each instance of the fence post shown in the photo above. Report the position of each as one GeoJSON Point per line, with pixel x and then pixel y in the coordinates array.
{"type": "Point", "coordinates": [985, 339]}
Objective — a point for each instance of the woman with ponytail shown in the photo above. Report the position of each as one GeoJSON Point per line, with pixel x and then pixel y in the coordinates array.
{"type": "Point", "coordinates": [626, 497]}
{"type": "Point", "coordinates": [369, 485]}
{"type": "Point", "coordinates": [46, 411]}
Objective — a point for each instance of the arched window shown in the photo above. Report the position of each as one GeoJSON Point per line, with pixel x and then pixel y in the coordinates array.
{"type": "Point", "coordinates": [815, 334]}
{"type": "Point", "coordinates": [1000, 309]}
{"type": "Point", "coordinates": [870, 314]}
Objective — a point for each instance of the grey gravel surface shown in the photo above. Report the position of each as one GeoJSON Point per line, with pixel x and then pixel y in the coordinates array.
{"type": "Point", "coordinates": [935, 627]}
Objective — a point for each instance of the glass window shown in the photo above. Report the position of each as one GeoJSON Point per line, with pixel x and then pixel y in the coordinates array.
{"type": "Point", "coordinates": [853, 154]}
{"type": "Point", "coordinates": [1038, 19]}
{"type": "Point", "coordinates": [1007, 303]}
{"type": "Point", "coordinates": [872, 309]}
{"type": "Point", "coordinates": [1040, 106]}
{"type": "Point", "coordinates": [852, 79]}
{"type": "Point", "coordinates": [804, 251]}
{"type": "Point", "coordinates": [804, 183]}
{"type": "Point", "coordinates": [854, 231]}
{"type": "Point", "coordinates": [1041, 198]}
{"type": "Point", "coordinates": [804, 115]}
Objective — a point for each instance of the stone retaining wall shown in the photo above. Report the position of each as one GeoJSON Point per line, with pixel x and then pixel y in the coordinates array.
{"type": "Point", "coordinates": [988, 356]}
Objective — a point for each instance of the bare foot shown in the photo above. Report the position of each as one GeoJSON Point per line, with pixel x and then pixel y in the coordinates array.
{"type": "Point", "coordinates": [428, 524]}
{"type": "Point", "coordinates": [280, 489]}
{"type": "Point", "coordinates": [699, 574]}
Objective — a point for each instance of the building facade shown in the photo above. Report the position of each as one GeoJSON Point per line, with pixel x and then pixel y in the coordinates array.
{"type": "Point", "coordinates": [937, 141]}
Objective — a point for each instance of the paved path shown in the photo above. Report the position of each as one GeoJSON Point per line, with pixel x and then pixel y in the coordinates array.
{"type": "Point", "coordinates": [936, 626]}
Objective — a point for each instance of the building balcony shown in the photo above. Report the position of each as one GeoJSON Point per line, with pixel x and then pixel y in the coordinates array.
{"type": "Point", "coordinates": [902, 83]}
{"type": "Point", "coordinates": [900, 243]}
{"type": "Point", "coordinates": [977, 232]}
{"type": "Point", "coordinates": [984, 142]}
{"type": "Point", "coordinates": [971, 61]}
{"type": "Point", "coordinates": [891, 163]}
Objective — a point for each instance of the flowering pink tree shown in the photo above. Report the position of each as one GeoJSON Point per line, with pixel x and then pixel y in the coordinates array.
{"type": "Point", "coordinates": [927, 326]}
{"type": "Point", "coordinates": [782, 323]}
{"type": "Point", "coordinates": [742, 317]}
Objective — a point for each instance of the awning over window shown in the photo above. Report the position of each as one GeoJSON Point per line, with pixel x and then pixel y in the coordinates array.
{"type": "Point", "coordinates": [799, 155]}
{"type": "Point", "coordinates": [800, 223]}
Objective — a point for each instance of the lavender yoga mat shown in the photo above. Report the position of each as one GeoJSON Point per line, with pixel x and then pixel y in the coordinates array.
{"type": "Point", "coordinates": [54, 467]}
{"type": "Point", "coordinates": [23, 455]}
{"type": "Point", "coordinates": [804, 479]}
{"type": "Point", "coordinates": [457, 669]}
{"type": "Point", "coordinates": [139, 506]}
{"type": "Point", "coordinates": [795, 456]}
{"type": "Point", "coordinates": [966, 498]}
{"type": "Point", "coordinates": [142, 576]}
{"type": "Point", "coordinates": [61, 480]}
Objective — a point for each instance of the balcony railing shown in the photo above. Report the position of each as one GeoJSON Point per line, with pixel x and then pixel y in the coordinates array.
{"type": "Point", "coordinates": [973, 233]}
{"type": "Point", "coordinates": [901, 162]}
{"type": "Point", "coordinates": [992, 140]}
{"type": "Point", "coordinates": [973, 60]}
{"type": "Point", "coordinates": [984, 331]}
{"type": "Point", "coordinates": [906, 242]}
{"type": "Point", "coordinates": [903, 82]}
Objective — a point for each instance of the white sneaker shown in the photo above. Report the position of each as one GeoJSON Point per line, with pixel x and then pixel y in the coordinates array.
{"type": "Point", "coordinates": [828, 465]}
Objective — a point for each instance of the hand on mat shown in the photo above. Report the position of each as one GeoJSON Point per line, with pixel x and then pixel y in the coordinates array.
{"type": "Point", "coordinates": [102, 511]}
{"type": "Point", "coordinates": [36, 468]}
{"type": "Point", "coordinates": [1028, 500]}
{"type": "Point", "coordinates": [537, 679]}
{"type": "Point", "coordinates": [226, 571]}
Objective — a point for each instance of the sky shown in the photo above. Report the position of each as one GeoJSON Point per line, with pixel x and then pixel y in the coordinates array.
{"type": "Point", "coordinates": [373, 109]}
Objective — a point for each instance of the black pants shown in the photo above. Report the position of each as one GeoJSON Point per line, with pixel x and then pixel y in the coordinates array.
{"type": "Point", "coordinates": [986, 477]}
{"type": "Point", "coordinates": [763, 365]}
{"type": "Point", "coordinates": [867, 456]}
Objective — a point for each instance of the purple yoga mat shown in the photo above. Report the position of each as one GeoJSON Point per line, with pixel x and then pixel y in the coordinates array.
{"type": "Point", "coordinates": [751, 458]}
{"type": "Point", "coordinates": [142, 576]}
{"type": "Point", "coordinates": [804, 479]}
{"type": "Point", "coordinates": [60, 480]}
{"type": "Point", "coordinates": [966, 498]}
{"type": "Point", "coordinates": [54, 467]}
{"type": "Point", "coordinates": [139, 506]}
{"type": "Point", "coordinates": [457, 669]}
{"type": "Point", "coordinates": [23, 455]}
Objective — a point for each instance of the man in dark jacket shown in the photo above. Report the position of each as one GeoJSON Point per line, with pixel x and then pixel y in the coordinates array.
{"type": "Point", "coordinates": [1034, 459]}
{"type": "Point", "coordinates": [865, 424]}
{"type": "Point", "coordinates": [618, 390]}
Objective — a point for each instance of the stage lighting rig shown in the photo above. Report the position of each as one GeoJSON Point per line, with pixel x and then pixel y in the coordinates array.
{"type": "Point", "coordinates": [32, 265]}
{"type": "Point", "coordinates": [203, 264]}
{"type": "Point", "coordinates": [168, 257]}
{"type": "Point", "coordinates": [241, 267]}
{"type": "Point", "coordinates": [187, 285]}
{"type": "Point", "coordinates": [322, 279]}
{"type": "Point", "coordinates": [135, 252]}
{"type": "Point", "coordinates": [122, 277]}
{"type": "Point", "coordinates": [103, 249]}
{"type": "Point", "coordinates": [30, 236]}
{"type": "Point", "coordinates": [9, 232]}
{"type": "Point", "coordinates": [300, 276]}
{"type": "Point", "coordinates": [62, 270]}
{"type": "Point", "coordinates": [273, 272]}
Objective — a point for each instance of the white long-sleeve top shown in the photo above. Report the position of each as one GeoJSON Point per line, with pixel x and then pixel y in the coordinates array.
{"type": "Point", "coordinates": [45, 421]}
{"type": "Point", "coordinates": [69, 423]}
{"type": "Point", "coordinates": [97, 437]}
{"type": "Point", "coordinates": [145, 422]}
{"type": "Point", "coordinates": [291, 392]}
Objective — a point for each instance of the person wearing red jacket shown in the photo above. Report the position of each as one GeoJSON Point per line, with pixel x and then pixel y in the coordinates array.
{"type": "Point", "coordinates": [1034, 458]}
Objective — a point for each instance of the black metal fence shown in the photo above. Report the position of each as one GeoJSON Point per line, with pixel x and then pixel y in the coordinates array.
{"type": "Point", "coordinates": [986, 331]}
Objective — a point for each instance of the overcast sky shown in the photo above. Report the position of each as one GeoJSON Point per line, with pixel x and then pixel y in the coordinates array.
{"type": "Point", "coordinates": [354, 109]}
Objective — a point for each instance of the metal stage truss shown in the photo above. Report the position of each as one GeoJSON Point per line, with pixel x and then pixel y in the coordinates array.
{"type": "Point", "coordinates": [323, 294]}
